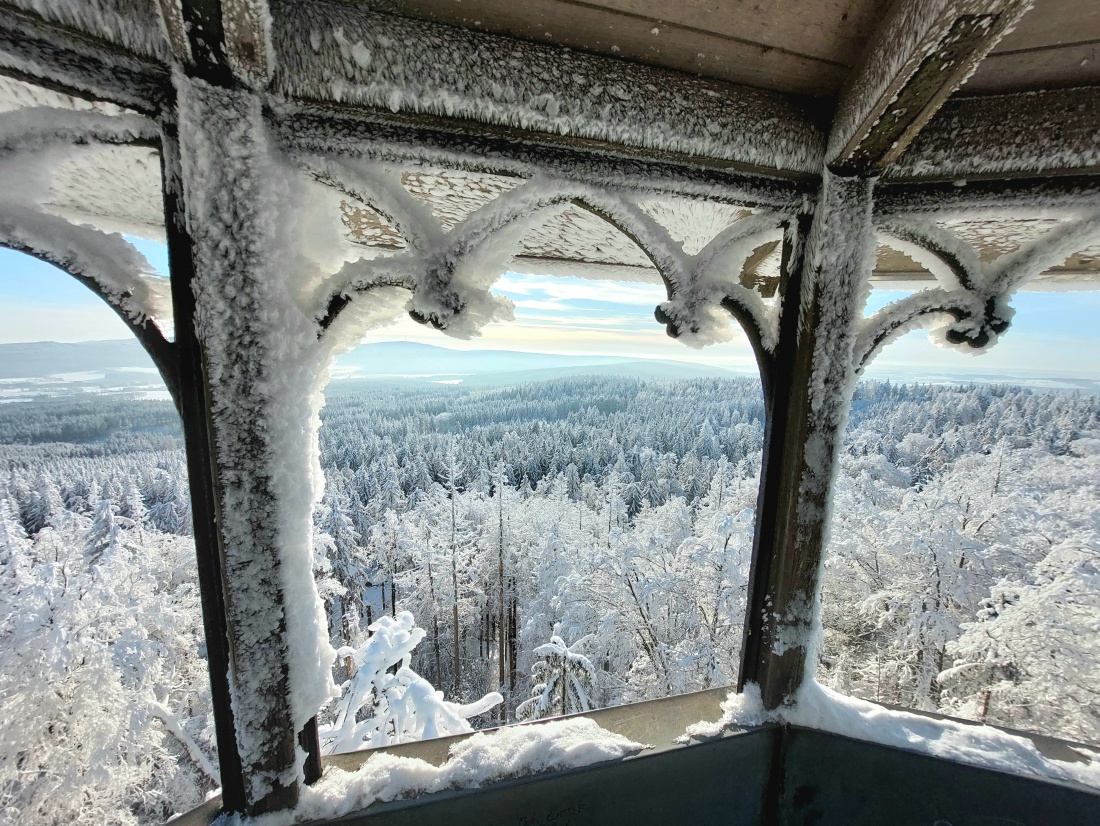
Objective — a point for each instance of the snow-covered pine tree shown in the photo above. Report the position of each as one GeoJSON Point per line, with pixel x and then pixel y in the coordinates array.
{"type": "Point", "coordinates": [565, 680]}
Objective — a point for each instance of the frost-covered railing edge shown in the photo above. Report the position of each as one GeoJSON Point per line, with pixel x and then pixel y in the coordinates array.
{"type": "Point", "coordinates": [664, 726]}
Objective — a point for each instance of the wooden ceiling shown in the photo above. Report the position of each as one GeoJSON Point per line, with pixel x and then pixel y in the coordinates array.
{"type": "Point", "coordinates": [797, 46]}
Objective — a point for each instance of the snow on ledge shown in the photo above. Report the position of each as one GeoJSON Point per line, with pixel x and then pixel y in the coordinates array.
{"type": "Point", "coordinates": [821, 708]}
{"type": "Point", "coordinates": [516, 751]}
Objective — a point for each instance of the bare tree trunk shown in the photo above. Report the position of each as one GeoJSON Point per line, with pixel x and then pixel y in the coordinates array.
{"type": "Point", "coordinates": [435, 625]}
{"type": "Point", "coordinates": [454, 611]}
{"type": "Point", "coordinates": [513, 635]}
{"type": "Point", "coordinates": [501, 655]}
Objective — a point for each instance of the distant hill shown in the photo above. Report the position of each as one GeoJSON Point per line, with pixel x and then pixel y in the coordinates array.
{"type": "Point", "coordinates": [390, 359]}
{"type": "Point", "coordinates": [39, 359]}
{"type": "Point", "coordinates": [25, 366]}
{"type": "Point", "coordinates": [411, 359]}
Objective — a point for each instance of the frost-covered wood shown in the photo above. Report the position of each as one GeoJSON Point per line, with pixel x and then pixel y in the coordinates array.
{"type": "Point", "coordinates": [1027, 133]}
{"type": "Point", "coordinates": [261, 360]}
{"type": "Point", "coordinates": [42, 48]}
{"type": "Point", "coordinates": [921, 52]}
{"type": "Point", "coordinates": [450, 272]}
{"type": "Point", "coordinates": [335, 130]}
{"type": "Point", "coordinates": [132, 24]}
{"type": "Point", "coordinates": [1056, 196]}
{"type": "Point", "coordinates": [247, 27]}
{"type": "Point", "coordinates": [344, 54]}
{"type": "Point", "coordinates": [974, 295]}
{"type": "Point", "coordinates": [808, 398]}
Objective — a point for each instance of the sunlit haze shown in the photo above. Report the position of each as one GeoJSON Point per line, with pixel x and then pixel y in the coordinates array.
{"type": "Point", "coordinates": [1053, 336]}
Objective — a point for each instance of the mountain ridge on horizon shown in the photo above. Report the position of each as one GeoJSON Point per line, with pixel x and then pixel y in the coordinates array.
{"type": "Point", "coordinates": [29, 363]}
{"type": "Point", "coordinates": [392, 359]}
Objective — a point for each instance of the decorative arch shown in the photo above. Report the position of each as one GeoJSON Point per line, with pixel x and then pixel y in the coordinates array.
{"type": "Point", "coordinates": [973, 296]}
{"type": "Point", "coordinates": [103, 262]}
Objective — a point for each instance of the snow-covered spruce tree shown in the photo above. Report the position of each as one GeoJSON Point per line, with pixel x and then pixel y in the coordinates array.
{"type": "Point", "coordinates": [1032, 657]}
{"type": "Point", "coordinates": [104, 699]}
{"type": "Point", "coordinates": [386, 702]}
{"type": "Point", "coordinates": [565, 680]}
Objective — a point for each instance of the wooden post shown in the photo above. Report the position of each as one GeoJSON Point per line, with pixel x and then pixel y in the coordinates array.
{"type": "Point", "coordinates": [808, 390]}
{"type": "Point", "coordinates": [195, 415]}
{"type": "Point", "coordinates": [228, 193]}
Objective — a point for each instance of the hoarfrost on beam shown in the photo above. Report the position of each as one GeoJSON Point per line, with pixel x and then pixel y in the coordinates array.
{"type": "Point", "coordinates": [132, 24]}
{"type": "Point", "coordinates": [330, 51]}
{"type": "Point", "coordinates": [450, 273]}
{"type": "Point", "coordinates": [1031, 133]}
{"type": "Point", "coordinates": [975, 294]}
{"type": "Point", "coordinates": [265, 368]}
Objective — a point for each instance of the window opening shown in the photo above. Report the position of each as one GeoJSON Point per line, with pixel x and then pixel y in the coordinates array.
{"type": "Point", "coordinates": [102, 644]}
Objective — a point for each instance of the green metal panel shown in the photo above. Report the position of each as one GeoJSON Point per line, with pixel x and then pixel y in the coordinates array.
{"type": "Point", "coordinates": [831, 780]}
{"type": "Point", "coordinates": [723, 782]}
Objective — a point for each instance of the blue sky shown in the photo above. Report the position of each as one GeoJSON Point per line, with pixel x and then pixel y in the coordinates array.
{"type": "Point", "coordinates": [1055, 335]}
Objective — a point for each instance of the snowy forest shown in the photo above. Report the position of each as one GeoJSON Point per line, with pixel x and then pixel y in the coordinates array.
{"type": "Point", "coordinates": [590, 533]}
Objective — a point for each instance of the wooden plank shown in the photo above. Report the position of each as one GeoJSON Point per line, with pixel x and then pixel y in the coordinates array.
{"type": "Point", "coordinates": [1051, 68]}
{"type": "Point", "coordinates": [248, 41]}
{"type": "Point", "coordinates": [206, 40]}
{"type": "Point", "coordinates": [1066, 195]}
{"type": "Point", "coordinates": [1053, 22]}
{"type": "Point", "coordinates": [832, 30]}
{"type": "Point", "coordinates": [386, 63]}
{"type": "Point", "coordinates": [228, 41]}
{"type": "Point", "coordinates": [452, 144]}
{"type": "Point", "coordinates": [728, 41]}
{"type": "Point", "coordinates": [175, 27]}
{"type": "Point", "coordinates": [75, 63]}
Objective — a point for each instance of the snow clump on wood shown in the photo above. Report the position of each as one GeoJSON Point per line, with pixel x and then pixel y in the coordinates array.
{"type": "Point", "coordinates": [481, 759]}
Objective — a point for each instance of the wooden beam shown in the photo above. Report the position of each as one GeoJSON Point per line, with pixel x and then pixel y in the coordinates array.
{"type": "Point", "coordinates": [1028, 134]}
{"type": "Point", "coordinates": [248, 40]}
{"type": "Point", "coordinates": [452, 144]}
{"type": "Point", "coordinates": [221, 41]}
{"type": "Point", "coordinates": [237, 291]}
{"type": "Point", "coordinates": [354, 56]}
{"type": "Point", "coordinates": [75, 63]}
{"type": "Point", "coordinates": [740, 41]}
{"type": "Point", "coordinates": [1064, 195]}
{"type": "Point", "coordinates": [921, 53]}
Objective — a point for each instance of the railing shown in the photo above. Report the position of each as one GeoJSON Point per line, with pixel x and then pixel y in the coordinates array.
{"type": "Point", "coordinates": [771, 774]}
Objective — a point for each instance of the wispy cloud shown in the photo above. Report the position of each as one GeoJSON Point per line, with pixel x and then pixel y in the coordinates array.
{"type": "Point", "coordinates": [579, 289]}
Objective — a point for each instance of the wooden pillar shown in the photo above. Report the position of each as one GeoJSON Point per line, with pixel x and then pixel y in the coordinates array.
{"type": "Point", "coordinates": [253, 418]}
{"type": "Point", "coordinates": [808, 389]}
{"type": "Point", "coordinates": [195, 416]}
